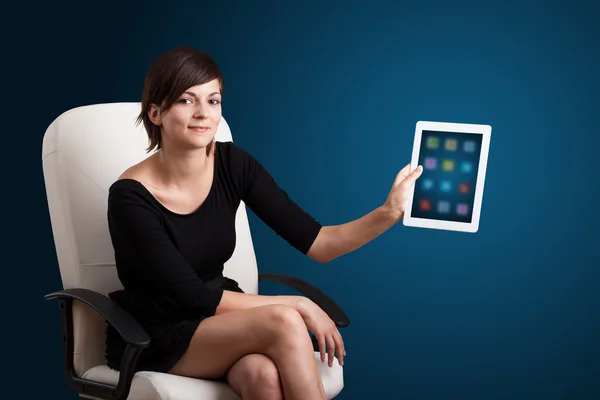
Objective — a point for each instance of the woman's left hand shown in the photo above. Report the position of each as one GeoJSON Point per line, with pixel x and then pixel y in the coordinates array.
{"type": "Point", "coordinates": [398, 196]}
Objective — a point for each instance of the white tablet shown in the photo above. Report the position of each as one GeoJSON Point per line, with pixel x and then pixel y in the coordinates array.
{"type": "Point", "coordinates": [449, 192]}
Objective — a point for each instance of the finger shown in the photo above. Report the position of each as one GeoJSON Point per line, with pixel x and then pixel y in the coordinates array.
{"type": "Point", "coordinates": [321, 340]}
{"type": "Point", "coordinates": [410, 179]}
{"type": "Point", "coordinates": [331, 349]}
{"type": "Point", "coordinates": [339, 345]}
{"type": "Point", "coordinates": [402, 174]}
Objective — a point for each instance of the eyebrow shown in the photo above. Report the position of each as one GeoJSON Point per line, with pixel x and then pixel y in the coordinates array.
{"type": "Point", "coordinates": [194, 94]}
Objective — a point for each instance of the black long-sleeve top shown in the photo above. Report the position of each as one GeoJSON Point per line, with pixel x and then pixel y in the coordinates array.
{"type": "Point", "coordinates": [168, 255]}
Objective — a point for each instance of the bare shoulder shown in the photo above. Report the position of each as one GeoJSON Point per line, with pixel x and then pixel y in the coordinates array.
{"type": "Point", "coordinates": [130, 173]}
{"type": "Point", "coordinates": [138, 172]}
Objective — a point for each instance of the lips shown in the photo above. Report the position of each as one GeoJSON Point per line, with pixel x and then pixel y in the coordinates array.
{"type": "Point", "coordinates": [199, 128]}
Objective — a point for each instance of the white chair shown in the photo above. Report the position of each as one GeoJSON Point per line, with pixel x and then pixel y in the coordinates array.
{"type": "Point", "coordinates": [84, 151]}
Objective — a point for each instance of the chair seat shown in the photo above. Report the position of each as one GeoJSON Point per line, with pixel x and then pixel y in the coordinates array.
{"type": "Point", "coordinates": [160, 386]}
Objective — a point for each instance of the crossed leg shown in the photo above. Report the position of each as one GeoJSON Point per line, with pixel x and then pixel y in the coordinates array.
{"type": "Point", "coordinates": [255, 377]}
{"type": "Point", "coordinates": [277, 332]}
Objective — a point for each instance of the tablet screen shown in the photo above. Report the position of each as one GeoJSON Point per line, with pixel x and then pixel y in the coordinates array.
{"type": "Point", "coordinates": [446, 188]}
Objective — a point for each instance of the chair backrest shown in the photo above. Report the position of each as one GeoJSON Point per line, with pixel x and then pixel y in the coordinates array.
{"type": "Point", "coordinates": [84, 151]}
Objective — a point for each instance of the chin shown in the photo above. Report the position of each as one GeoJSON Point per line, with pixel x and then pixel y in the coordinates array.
{"type": "Point", "coordinates": [200, 143]}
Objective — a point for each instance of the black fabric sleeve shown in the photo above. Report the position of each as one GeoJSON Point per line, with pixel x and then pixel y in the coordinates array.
{"type": "Point", "coordinates": [272, 204]}
{"type": "Point", "coordinates": [146, 254]}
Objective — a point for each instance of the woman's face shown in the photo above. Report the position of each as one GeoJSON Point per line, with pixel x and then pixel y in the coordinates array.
{"type": "Point", "coordinates": [192, 121]}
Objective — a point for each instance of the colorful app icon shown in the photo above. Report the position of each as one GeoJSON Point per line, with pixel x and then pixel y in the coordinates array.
{"type": "Point", "coordinates": [466, 167]}
{"type": "Point", "coordinates": [462, 209]}
{"type": "Point", "coordinates": [443, 207]}
{"type": "Point", "coordinates": [427, 184]}
{"type": "Point", "coordinates": [451, 144]}
{"type": "Point", "coordinates": [463, 188]}
{"type": "Point", "coordinates": [425, 205]}
{"type": "Point", "coordinates": [430, 163]}
{"type": "Point", "coordinates": [469, 146]}
{"type": "Point", "coordinates": [445, 186]}
{"type": "Point", "coordinates": [433, 142]}
{"type": "Point", "coordinates": [448, 165]}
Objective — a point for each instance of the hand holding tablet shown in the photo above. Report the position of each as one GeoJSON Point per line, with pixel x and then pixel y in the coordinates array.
{"type": "Point", "coordinates": [449, 191]}
{"type": "Point", "coordinates": [395, 204]}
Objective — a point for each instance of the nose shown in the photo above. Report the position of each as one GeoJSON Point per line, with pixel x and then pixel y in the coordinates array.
{"type": "Point", "coordinates": [201, 111]}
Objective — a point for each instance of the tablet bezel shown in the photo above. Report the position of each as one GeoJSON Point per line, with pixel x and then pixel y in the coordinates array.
{"type": "Point", "coordinates": [486, 132]}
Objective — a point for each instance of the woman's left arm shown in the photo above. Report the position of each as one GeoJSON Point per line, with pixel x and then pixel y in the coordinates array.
{"type": "Point", "coordinates": [336, 240]}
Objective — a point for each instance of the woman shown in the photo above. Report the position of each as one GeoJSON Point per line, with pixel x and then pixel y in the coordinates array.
{"type": "Point", "coordinates": [172, 224]}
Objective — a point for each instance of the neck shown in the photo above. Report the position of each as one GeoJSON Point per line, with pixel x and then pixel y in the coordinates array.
{"type": "Point", "coordinates": [183, 168]}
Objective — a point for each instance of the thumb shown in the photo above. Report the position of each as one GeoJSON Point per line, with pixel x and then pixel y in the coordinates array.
{"type": "Point", "coordinates": [402, 175]}
{"type": "Point", "coordinates": [414, 175]}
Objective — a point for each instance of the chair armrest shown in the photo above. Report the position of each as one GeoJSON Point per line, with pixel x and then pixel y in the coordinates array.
{"type": "Point", "coordinates": [334, 311]}
{"type": "Point", "coordinates": [129, 329]}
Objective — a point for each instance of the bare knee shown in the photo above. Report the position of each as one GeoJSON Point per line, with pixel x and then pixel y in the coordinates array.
{"type": "Point", "coordinates": [256, 377]}
{"type": "Point", "coordinates": [264, 380]}
{"type": "Point", "coordinates": [285, 327]}
{"type": "Point", "coordinates": [282, 318]}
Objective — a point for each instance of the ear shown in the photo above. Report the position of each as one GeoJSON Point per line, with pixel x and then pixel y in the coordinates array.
{"type": "Point", "coordinates": [154, 114]}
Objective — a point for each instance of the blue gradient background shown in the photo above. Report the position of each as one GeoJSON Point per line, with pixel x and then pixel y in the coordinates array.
{"type": "Point", "coordinates": [327, 95]}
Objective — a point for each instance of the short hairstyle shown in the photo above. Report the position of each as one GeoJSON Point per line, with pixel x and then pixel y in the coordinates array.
{"type": "Point", "coordinates": [169, 76]}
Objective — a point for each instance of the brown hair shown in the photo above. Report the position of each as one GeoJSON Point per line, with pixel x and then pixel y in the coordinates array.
{"type": "Point", "coordinates": [168, 77]}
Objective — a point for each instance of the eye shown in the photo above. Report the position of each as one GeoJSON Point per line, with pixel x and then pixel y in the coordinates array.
{"type": "Point", "coordinates": [214, 102]}
{"type": "Point", "coordinates": [184, 101]}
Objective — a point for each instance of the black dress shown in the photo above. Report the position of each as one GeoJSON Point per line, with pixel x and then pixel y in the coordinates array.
{"type": "Point", "coordinates": [171, 265]}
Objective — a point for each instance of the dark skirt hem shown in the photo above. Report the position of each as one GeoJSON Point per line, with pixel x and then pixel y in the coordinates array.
{"type": "Point", "coordinates": [114, 354]}
{"type": "Point", "coordinates": [170, 328]}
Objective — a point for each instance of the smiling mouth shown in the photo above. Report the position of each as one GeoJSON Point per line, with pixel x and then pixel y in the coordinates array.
{"type": "Point", "coordinates": [199, 128]}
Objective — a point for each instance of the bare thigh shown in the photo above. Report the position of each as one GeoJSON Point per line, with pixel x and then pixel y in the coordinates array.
{"type": "Point", "coordinates": [221, 340]}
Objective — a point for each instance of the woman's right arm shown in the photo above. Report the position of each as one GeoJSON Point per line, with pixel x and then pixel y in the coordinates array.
{"type": "Point", "coordinates": [316, 320]}
{"type": "Point", "coordinates": [231, 301]}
